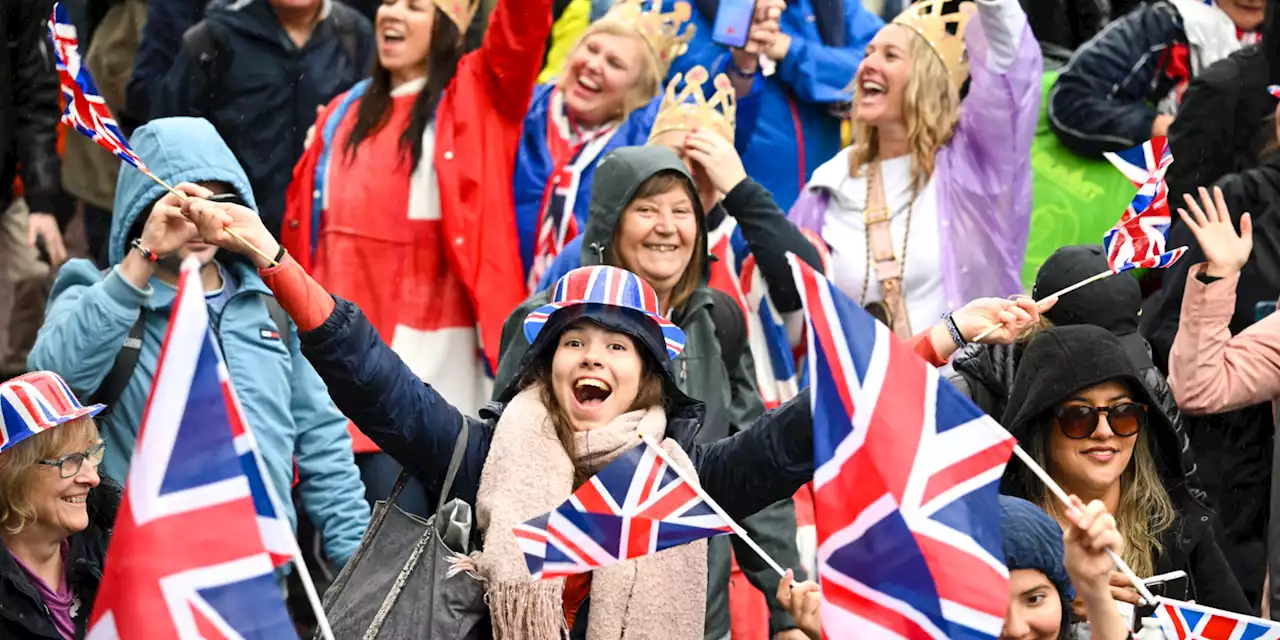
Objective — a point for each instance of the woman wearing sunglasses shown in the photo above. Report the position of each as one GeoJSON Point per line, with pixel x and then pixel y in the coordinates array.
{"type": "Point", "coordinates": [55, 515]}
{"type": "Point", "coordinates": [1079, 407]}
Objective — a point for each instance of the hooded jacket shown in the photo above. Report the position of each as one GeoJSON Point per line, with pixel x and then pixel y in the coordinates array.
{"type": "Point", "coordinates": [260, 90]}
{"type": "Point", "coordinates": [730, 397]}
{"type": "Point", "coordinates": [750, 471]}
{"type": "Point", "coordinates": [1065, 360]}
{"type": "Point", "coordinates": [23, 615]}
{"type": "Point", "coordinates": [90, 314]}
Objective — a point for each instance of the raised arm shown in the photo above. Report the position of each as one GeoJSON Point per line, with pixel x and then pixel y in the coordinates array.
{"type": "Point", "coordinates": [367, 381]}
{"type": "Point", "coordinates": [511, 55]}
{"type": "Point", "coordinates": [1209, 370]}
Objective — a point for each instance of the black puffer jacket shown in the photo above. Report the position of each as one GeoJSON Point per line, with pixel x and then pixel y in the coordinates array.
{"type": "Point", "coordinates": [23, 615]}
{"type": "Point", "coordinates": [1103, 99]}
{"type": "Point", "coordinates": [29, 106]}
{"type": "Point", "coordinates": [1065, 360]}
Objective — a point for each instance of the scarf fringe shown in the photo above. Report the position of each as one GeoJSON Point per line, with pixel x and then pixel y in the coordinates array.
{"type": "Point", "coordinates": [525, 611]}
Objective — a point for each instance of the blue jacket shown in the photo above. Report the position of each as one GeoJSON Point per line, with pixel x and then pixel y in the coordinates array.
{"type": "Point", "coordinates": [161, 41]}
{"type": "Point", "coordinates": [261, 91]}
{"type": "Point", "coordinates": [796, 131]}
{"type": "Point", "coordinates": [90, 314]}
{"type": "Point", "coordinates": [534, 163]}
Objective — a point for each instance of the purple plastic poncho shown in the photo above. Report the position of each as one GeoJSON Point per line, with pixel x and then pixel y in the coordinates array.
{"type": "Point", "coordinates": [984, 174]}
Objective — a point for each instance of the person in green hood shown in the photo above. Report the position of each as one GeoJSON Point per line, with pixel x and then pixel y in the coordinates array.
{"type": "Point", "coordinates": [649, 215]}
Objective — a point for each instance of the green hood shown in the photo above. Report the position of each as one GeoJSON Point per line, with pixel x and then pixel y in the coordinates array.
{"type": "Point", "coordinates": [176, 150]}
{"type": "Point", "coordinates": [617, 177]}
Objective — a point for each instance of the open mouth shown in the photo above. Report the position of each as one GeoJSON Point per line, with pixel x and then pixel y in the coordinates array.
{"type": "Point", "coordinates": [590, 392]}
{"type": "Point", "coordinates": [869, 88]}
{"type": "Point", "coordinates": [390, 34]}
{"type": "Point", "coordinates": [76, 499]}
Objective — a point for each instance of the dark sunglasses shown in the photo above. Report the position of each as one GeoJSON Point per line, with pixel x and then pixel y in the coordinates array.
{"type": "Point", "coordinates": [1078, 421]}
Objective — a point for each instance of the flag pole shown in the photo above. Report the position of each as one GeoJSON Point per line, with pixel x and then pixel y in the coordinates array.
{"type": "Point", "coordinates": [697, 487]}
{"type": "Point", "coordinates": [1066, 500]}
{"type": "Point", "coordinates": [182, 196]}
{"type": "Point", "coordinates": [1086, 281]}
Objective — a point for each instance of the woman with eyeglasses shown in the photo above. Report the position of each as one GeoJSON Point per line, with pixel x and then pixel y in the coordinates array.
{"type": "Point", "coordinates": [1079, 407]}
{"type": "Point", "coordinates": [55, 511]}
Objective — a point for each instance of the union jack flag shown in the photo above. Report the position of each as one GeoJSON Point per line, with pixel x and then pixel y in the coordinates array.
{"type": "Point", "coordinates": [906, 478]}
{"type": "Point", "coordinates": [1140, 162]}
{"type": "Point", "coordinates": [85, 109]}
{"type": "Point", "coordinates": [187, 558]}
{"type": "Point", "coordinates": [1137, 240]}
{"type": "Point", "coordinates": [635, 506]}
{"type": "Point", "coordinates": [1187, 621]}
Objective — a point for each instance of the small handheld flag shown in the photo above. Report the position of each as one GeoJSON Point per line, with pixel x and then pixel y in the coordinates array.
{"type": "Point", "coordinates": [638, 504]}
{"type": "Point", "coordinates": [1188, 621]}
{"type": "Point", "coordinates": [1140, 162]}
{"type": "Point", "coordinates": [85, 109]}
{"type": "Point", "coordinates": [906, 477]}
{"type": "Point", "coordinates": [1137, 240]}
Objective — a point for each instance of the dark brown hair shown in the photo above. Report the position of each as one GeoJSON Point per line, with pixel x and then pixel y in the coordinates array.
{"type": "Point", "coordinates": [375, 106]}
{"type": "Point", "coordinates": [658, 184]}
{"type": "Point", "coordinates": [650, 394]}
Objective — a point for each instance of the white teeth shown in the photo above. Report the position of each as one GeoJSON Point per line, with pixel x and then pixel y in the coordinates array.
{"type": "Point", "coordinates": [588, 83]}
{"type": "Point", "coordinates": [392, 34]}
{"type": "Point", "coordinates": [592, 382]}
{"type": "Point", "coordinates": [661, 248]}
{"type": "Point", "coordinates": [75, 499]}
{"type": "Point", "coordinates": [872, 87]}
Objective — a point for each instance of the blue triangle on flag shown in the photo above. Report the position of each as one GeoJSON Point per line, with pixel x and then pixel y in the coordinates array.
{"type": "Point", "coordinates": [1253, 631]}
{"type": "Point", "coordinates": [1192, 616]}
{"type": "Point", "coordinates": [203, 443]}
{"type": "Point", "coordinates": [254, 608]}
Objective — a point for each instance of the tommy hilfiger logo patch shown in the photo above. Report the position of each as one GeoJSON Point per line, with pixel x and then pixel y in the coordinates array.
{"type": "Point", "coordinates": [269, 334]}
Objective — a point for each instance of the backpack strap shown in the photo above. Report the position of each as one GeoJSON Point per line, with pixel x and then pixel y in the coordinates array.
{"type": "Point", "coordinates": [731, 328]}
{"type": "Point", "coordinates": [122, 369]}
{"type": "Point", "coordinates": [201, 43]}
{"type": "Point", "coordinates": [281, 319]}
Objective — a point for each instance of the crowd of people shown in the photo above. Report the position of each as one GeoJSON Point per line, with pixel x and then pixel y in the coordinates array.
{"type": "Point", "coordinates": [443, 183]}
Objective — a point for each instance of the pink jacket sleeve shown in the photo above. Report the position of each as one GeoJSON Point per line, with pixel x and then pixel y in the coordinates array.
{"type": "Point", "coordinates": [1209, 370]}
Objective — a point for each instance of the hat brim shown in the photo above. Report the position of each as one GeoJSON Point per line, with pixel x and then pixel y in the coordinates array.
{"type": "Point", "coordinates": [91, 410]}
{"type": "Point", "coordinates": [672, 335]}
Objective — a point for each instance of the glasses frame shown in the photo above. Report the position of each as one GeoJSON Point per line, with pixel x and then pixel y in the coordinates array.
{"type": "Point", "coordinates": [98, 450]}
{"type": "Point", "coordinates": [1096, 411]}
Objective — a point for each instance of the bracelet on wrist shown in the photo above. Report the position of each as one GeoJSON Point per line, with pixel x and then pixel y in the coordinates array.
{"type": "Point", "coordinates": [950, 321]}
{"type": "Point", "coordinates": [279, 255]}
{"type": "Point", "coordinates": [146, 253]}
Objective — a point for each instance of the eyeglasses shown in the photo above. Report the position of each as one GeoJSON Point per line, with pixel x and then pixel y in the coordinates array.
{"type": "Point", "coordinates": [70, 464]}
{"type": "Point", "coordinates": [1078, 421]}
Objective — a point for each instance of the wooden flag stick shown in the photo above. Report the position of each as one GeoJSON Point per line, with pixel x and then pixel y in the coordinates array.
{"type": "Point", "coordinates": [1089, 280]}
{"type": "Point", "coordinates": [697, 487]}
{"type": "Point", "coordinates": [1066, 500]}
{"type": "Point", "coordinates": [182, 196]}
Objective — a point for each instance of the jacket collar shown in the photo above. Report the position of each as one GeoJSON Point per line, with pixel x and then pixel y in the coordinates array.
{"type": "Point", "coordinates": [246, 280]}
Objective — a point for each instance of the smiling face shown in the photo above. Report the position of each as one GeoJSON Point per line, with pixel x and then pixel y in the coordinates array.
{"type": "Point", "coordinates": [403, 32]}
{"type": "Point", "coordinates": [596, 375]}
{"type": "Point", "coordinates": [881, 82]}
{"type": "Point", "coordinates": [35, 500]}
{"type": "Point", "coordinates": [607, 66]}
{"type": "Point", "coordinates": [1092, 465]}
{"type": "Point", "coordinates": [657, 233]}
{"type": "Point", "coordinates": [59, 503]}
{"type": "Point", "coordinates": [1247, 14]}
{"type": "Point", "coordinates": [1035, 608]}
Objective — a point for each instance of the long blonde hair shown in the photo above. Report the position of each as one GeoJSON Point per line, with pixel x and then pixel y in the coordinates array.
{"type": "Point", "coordinates": [930, 106]}
{"type": "Point", "coordinates": [20, 468]}
{"type": "Point", "coordinates": [1145, 510]}
{"type": "Point", "coordinates": [647, 86]}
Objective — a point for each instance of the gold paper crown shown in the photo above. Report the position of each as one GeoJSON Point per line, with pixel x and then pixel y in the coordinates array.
{"type": "Point", "coordinates": [927, 19]}
{"type": "Point", "coordinates": [460, 12]}
{"type": "Point", "coordinates": [690, 109]}
{"type": "Point", "coordinates": [661, 31]}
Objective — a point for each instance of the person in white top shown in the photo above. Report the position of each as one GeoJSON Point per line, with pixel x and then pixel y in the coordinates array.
{"type": "Point", "coordinates": [930, 207]}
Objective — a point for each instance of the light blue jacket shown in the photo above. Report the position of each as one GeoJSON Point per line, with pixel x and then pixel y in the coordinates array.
{"type": "Point", "coordinates": [286, 403]}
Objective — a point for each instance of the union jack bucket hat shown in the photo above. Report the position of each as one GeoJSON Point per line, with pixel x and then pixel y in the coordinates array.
{"type": "Point", "coordinates": [34, 402]}
{"type": "Point", "coordinates": [606, 286]}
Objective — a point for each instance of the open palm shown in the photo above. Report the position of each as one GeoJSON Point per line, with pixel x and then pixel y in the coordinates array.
{"type": "Point", "coordinates": [1226, 250]}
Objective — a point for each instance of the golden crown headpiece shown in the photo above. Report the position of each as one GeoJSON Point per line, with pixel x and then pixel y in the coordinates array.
{"type": "Point", "coordinates": [927, 19]}
{"type": "Point", "coordinates": [660, 30]}
{"type": "Point", "coordinates": [460, 12]}
{"type": "Point", "coordinates": [690, 108]}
